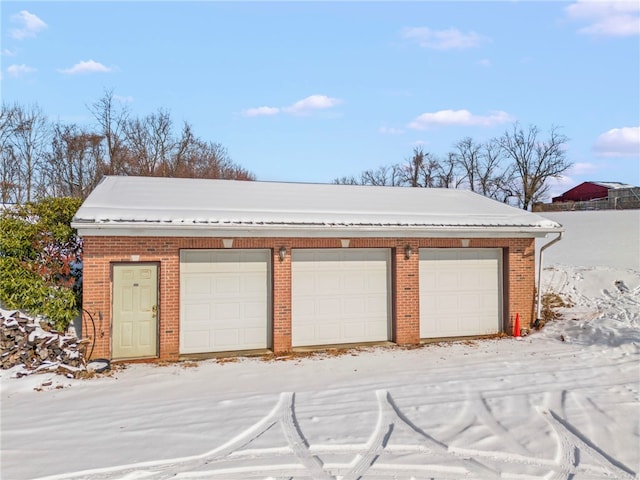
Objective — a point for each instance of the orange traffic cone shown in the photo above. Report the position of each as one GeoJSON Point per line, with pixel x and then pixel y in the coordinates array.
{"type": "Point", "coordinates": [516, 326]}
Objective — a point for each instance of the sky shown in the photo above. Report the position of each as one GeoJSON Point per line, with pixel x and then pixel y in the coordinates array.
{"type": "Point", "coordinates": [312, 91]}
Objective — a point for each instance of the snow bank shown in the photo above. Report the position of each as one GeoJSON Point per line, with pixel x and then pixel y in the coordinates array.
{"type": "Point", "coordinates": [607, 238]}
{"type": "Point", "coordinates": [605, 305]}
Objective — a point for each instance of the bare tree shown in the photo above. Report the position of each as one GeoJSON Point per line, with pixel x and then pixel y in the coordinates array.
{"type": "Point", "coordinates": [29, 139]}
{"type": "Point", "coordinates": [68, 160]}
{"type": "Point", "coordinates": [149, 142]}
{"type": "Point", "coordinates": [112, 118]}
{"type": "Point", "coordinates": [74, 164]}
{"type": "Point", "coordinates": [383, 176]}
{"type": "Point", "coordinates": [467, 156]}
{"type": "Point", "coordinates": [8, 164]}
{"type": "Point", "coordinates": [422, 170]}
{"type": "Point", "coordinates": [449, 177]}
{"type": "Point", "coordinates": [535, 160]}
{"type": "Point", "coordinates": [392, 176]}
{"type": "Point", "coordinates": [494, 179]}
{"type": "Point", "coordinates": [346, 180]}
{"type": "Point", "coordinates": [177, 165]}
{"type": "Point", "coordinates": [150, 147]}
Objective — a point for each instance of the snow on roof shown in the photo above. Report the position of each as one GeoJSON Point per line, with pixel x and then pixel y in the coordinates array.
{"type": "Point", "coordinates": [613, 185]}
{"type": "Point", "coordinates": [120, 202]}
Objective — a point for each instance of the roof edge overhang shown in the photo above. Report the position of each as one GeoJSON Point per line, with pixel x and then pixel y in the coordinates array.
{"type": "Point", "coordinates": [312, 231]}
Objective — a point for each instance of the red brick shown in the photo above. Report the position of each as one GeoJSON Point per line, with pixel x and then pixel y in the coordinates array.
{"type": "Point", "coordinates": [100, 253]}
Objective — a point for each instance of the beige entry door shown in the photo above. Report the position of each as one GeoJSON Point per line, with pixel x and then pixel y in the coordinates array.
{"type": "Point", "coordinates": [135, 311]}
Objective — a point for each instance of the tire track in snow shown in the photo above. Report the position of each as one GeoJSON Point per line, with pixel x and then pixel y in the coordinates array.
{"type": "Point", "coordinates": [298, 443]}
{"type": "Point", "coordinates": [570, 442]}
{"type": "Point", "coordinates": [572, 451]}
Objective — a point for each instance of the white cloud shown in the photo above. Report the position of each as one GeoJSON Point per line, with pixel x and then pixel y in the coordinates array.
{"type": "Point", "coordinates": [619, 142]}
{"type": "Point", "coordinates": [559, 185]}
{"type": "Point", "coordinates": [458, 117]}
{"type": "Point", "coordinates": [19, 70]}
{"type": "Point", "coordinates": [123, 99]}
{"type": "Point", "coordinates": [311, 103]}
{"type": "Point", "coordinates": [584, 168]}
{"type": "Point", "coordinates": [88, 66]}
{"type": "Point", "coordinates": [443, 39]}
{"type": "Point", "coordinates": [302, 107]}
{"type": "Point", "coordinates": [485, 62]}
{"type": "Point", "coordinates": [390, 131]}
{"type": "Point", "coordinates": [30, 25]}
{"type": "Point", "coordinates": [8, 53]}
{"type": "Point", "coordinates": [260, 111]}
{"type": "Point", "coordinates": [606, 18]}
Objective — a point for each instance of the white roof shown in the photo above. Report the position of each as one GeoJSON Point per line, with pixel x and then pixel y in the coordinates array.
{"type": "Point", "coordinates": [196, 207]}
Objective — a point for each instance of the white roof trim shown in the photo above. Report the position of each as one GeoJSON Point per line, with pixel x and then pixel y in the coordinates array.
{"type": "Point", "coordinates": [145, 206]}
{"type": "Point", "coordinates": [137, 230]}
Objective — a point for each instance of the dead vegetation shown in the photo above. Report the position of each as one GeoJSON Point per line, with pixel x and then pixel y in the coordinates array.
{"type": "Point", "coordinates": [552, 305]}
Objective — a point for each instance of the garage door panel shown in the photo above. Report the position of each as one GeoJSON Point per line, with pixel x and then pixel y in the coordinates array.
{"type": "Point", "coordinates": [196, 338]}
{"type": "Point", "coordinates": [305, 308]}
{"type": "Point", "coordinates": [376, 305]}
{"type": "Point", "coordinates": [254, 282]}
{"type": "Point", "coordinates": [327, 332]}
{"type": "Point", "coordinates": [226, 285]}
{"type": "Point", "coordinates": [339, 296]}
{"type": "Point", "coordinates": [354, 331]}
{"type": "Point", "coordinates": [377, 330]}
{"type": "Point", "coordinates": [355, 283]}
{"type": "Point", "coordinates": [305, 333]}
{"type": "Point", "coordinates": [354, 306]}
{"type": "Point", "coordinates": [378, 283]}
{"type": "Point", "coordinates": [327, 307]}
{"type": "Point", "coordinates": [224, 300]}
{"type": "Point", "coordinates": [475, 280]}
{"type": "Point", "coordinates": [460, 292]}
{"type": "Point", "coordinates": [326, 283]}
{"type": "Point", "coordinates": [224, 312]}
{"type": "Point", "coordinates": [226, 338]}
{"type": "Point", "coordinates": [447, 280]}
{"type": "Point", "coordinates": [196, 311]}
{"type": "Point", "coordinates": [254, 312]}
{"type": "Point", "coordinates": [197, 285]}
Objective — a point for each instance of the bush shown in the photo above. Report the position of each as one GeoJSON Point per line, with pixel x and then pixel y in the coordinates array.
{"type": "Point", "coordinates": [39, 258]}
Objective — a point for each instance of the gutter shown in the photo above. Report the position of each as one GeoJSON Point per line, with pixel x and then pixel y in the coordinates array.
{"type": "Point", "coordinates": [540, 262]}
{"type": "Point", "coordinates": [328, 230]}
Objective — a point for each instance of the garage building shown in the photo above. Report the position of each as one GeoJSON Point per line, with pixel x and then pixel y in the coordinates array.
{"type": "Point", "coordinates": [181, 267]}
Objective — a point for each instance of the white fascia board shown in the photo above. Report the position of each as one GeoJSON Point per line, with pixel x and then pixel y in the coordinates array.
{"type": "Point", "coordinates": [137, 230]}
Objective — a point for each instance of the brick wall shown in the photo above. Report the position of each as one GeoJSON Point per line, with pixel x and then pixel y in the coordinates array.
{"type": "Point", "coordinates": [100, 253]}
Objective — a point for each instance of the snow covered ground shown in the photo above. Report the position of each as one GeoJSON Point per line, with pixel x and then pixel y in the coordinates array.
{"type": "Point", "coordinates": [562, 403]}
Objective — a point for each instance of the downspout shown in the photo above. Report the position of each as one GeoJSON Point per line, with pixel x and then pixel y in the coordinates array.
{"type": "Point", "coordinates": [540, 262]}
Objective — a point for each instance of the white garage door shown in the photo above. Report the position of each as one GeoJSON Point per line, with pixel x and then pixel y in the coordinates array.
{"type": "Point", "coordinates": [339, 296]}
{"type": "Point", "coordinates": [223, 300]}
{"type": "Point", "coordinates": [460, 292]}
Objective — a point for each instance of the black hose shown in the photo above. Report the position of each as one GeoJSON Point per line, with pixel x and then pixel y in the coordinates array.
{"type": "Point", "coordinates": [93, 323]}
{"type": "Point", "coordinates": [107, 362]}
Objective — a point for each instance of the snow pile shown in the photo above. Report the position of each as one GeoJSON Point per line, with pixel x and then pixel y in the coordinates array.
{"type": "Point", "coordinates": [605, 305]}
